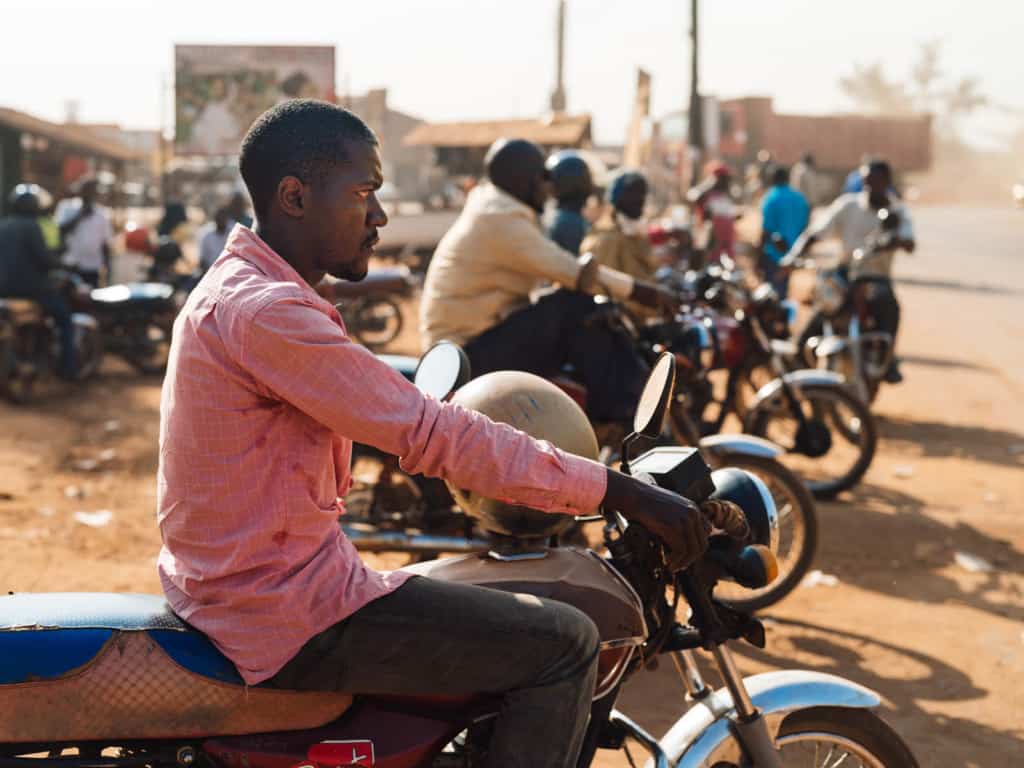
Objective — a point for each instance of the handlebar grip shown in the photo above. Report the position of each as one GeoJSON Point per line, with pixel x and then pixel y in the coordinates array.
{"type": "Point", "coordinates": [752, 567]}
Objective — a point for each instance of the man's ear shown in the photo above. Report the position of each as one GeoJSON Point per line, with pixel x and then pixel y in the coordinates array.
{"type": "Point", "coordinates": [291, 196]}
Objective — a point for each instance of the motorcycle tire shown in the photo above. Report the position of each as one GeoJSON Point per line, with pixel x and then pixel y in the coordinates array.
{"type": "Point", "coordinates": [376, 322]}
{"type": "Point", "coordinates": [798, 532]}
{"type": "Point", "coordinates": [825, 402]}
{"type": "Point", "coordinates": [832, 731]}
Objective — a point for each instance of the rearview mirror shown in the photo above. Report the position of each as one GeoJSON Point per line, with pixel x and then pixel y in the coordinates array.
{"type": "Point", "coordinates": [650, 412]}
{"type": "Point", "coordinates": [442, 369]}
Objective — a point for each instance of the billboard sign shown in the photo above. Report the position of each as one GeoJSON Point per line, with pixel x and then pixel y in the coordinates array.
{"type": "Point", "coordinates": [220, 89]}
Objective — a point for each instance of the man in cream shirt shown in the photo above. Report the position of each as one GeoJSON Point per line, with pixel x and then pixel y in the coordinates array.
{"type": "Point", "coordinates": [478, 291]}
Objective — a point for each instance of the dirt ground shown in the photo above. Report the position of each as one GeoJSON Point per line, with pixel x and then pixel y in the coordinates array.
{"type": "Point", "coordinates": [928, 553]}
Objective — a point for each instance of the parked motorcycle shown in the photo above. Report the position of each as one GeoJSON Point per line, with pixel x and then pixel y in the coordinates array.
{"type": "Point", "coordinates": [135, 321]}
{"type": "Point", "coordinates": [828, 433]}
{"type": "Point", "coordinates": [123, 682]}
{"type": "Point", "coordinates": [693, 347]}
{"type": "Point", "coordinates": [845, 334]}
{"type": "Point", "coordinates": [369, 308]}
{"type": "Point", "coordinates": [30, 343]}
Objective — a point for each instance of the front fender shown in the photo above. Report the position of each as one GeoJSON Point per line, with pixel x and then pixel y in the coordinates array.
{"type": "Point", "coordinates": [720, 445]}
{"type": "Point", "coordinates": [805, 377]}
{"type": "Point", "coordinates": [702, 737]}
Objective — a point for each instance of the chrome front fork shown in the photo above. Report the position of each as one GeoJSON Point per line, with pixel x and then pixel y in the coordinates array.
{"type": "Point", "coordinates": [857, 359]}
{"type": "Point", "coordinates": [748, 726]}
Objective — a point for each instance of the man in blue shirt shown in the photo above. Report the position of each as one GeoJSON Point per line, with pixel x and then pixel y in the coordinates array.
{"type": "Point", "coordinates": [784, 212]}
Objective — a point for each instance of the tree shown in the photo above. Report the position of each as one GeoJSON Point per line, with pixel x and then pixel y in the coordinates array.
{"type": "Point", "coordinates": [928, 92]}
{"type": "Point", "coordinates": [870, 90]}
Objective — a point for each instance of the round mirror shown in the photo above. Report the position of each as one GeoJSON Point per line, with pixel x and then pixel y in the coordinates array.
{"type": "Point", "coordinates": [650, 411]}
{"type": "Point", "coordinates": [442, 369]}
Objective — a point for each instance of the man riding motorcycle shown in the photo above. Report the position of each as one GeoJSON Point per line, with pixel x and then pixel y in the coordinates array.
{"type": "Point", "coordinates": [479, 283]}
{"type": "Point", "coordinates": [852, 218]}
{"type": "Point", "coordinates": [25, 262]}
{"type": "Point", "coordinates": [619, 239]}
{"type": "Point", "coordinates": [572, 186]}
{"type": "Point", "coordinates": [263, 397]}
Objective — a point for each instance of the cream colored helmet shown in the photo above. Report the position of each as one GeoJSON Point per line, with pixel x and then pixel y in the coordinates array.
{"type": "Point", "coordinates": [541, 410]}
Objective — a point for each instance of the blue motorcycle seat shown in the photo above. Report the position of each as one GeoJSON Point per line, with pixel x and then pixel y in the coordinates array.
{"type": "Point", "coordinates": [48, 635]}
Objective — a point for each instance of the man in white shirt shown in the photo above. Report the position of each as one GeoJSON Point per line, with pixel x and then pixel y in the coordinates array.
{"type": "Point", "coordinates": [852, 218]}
{"type": "Point", "coordinates": [86, 230]}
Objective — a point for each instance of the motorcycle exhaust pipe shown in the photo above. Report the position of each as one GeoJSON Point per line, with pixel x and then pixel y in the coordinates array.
{"type": "Point", "coordinates": [399, 541]}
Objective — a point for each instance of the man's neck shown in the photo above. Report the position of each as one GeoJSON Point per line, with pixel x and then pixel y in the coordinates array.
{"type": "Point", "coordinates": [284, 245]}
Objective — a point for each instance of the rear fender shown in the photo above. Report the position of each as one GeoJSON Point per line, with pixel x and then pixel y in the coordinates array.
{"type": "Point", "coordinates": [703, 737]}
{"type": "Point", "coordinates": [719, 446]}
{"type": "Point", "coordinates": [771, 393]}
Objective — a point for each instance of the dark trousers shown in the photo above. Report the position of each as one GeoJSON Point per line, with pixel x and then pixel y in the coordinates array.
{"type": "Point", "coordinates": [440, 638]}
{"type": "Point", "coordinates": [57, 308]}
{"type": "Point", "coordinates": [563, 328]}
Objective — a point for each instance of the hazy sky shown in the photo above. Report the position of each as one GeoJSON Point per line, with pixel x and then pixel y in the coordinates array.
{"type": "Point", "coordinates": [465, 59]}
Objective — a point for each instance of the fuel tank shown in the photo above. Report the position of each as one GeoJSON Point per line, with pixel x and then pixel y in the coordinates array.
{"type": "Point", "coordinates": [578, 577]}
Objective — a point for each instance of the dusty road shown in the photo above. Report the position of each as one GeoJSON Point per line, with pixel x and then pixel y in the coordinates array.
{"type": "Point", "coordinates": [942, 644]}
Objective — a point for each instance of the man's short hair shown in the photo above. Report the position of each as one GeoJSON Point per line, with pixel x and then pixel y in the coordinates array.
{"type": "Point", "coordinates": [780, 175]}
{"type": "Point", "coordinates": [304, 138]}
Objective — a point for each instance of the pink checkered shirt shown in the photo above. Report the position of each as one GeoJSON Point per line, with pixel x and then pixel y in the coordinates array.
{"type": "Point", "coordinates": [263, 397]}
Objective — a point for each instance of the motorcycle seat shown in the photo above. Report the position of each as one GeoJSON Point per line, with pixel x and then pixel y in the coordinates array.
{"type": "Point", "coordinates": [22, 311]}
{"type": "Point", "coordinates": [97, 666]}
{"type": "Point", "coordinates": [379, 281]}
{"type": "Point", "coordinates": [133, 292]}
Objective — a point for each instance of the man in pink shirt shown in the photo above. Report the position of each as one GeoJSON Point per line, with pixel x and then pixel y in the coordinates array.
{"type": "Point", "coordinates": [263, 397]}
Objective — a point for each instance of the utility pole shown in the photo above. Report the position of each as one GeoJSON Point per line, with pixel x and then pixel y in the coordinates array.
{"type": "Point", "coordinates": [696, 117]}
{"type": "Point", "coordinates": [558, 95]}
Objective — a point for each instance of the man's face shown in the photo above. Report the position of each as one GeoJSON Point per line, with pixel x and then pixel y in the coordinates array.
{"type": "Point", "coordinates": [344, 214]}
{"type": "Point", "coordinates": [877, 184]}
{"type": "Point", "coordinates": [88, 193]}
{"type": "Point", "coordinates": [540, 188]}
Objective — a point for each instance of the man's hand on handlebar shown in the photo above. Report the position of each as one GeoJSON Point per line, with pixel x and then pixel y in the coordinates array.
{"type": "Point", "coordinates": [676, 521]}
{"type": "Point", "coordinates": [656, 297]}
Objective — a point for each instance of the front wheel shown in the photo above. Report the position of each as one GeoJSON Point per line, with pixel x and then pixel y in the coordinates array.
{"type": "Point", "coordinates": [834, 446]}
{"type": "Point", "coordinates": [830, 736]}
{"type": "Point", "coordinates": [798, 532]}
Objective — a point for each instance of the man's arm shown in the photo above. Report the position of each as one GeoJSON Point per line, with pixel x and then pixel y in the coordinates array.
{"type": "Point", "coordinates": [534, 254]}
{"type": "Point", "coordinates": [811, 235]}
{"type": "Point", "coordinates": [302, 357]}
{"type": "Point", "coordinates": [299, 355]}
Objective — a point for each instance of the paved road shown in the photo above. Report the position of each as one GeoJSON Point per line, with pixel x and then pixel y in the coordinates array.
{"type": "Point", "coordinates": [943, 645]}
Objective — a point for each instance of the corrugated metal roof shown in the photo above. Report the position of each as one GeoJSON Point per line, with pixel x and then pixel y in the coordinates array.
{"type": "Point", "coordinates": [78, 136]}
{"type": "Point", "coordinates": [559, 130]}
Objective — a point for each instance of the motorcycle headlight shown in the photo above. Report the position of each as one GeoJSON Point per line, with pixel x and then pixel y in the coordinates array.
{"type": "Point", "coordinates": [749, 492]}
{"type": "Point", "coordinates": [829, 292]}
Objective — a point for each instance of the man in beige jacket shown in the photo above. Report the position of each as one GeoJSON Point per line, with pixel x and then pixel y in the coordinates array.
{"type": "Point", "coordinates": [479, 284]}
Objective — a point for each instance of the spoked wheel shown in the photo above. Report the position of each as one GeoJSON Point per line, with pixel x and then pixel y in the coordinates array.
{"type": "Point", "coordinates": [798, 533]}
{"type": "Point", "coordinates": [825, 737]}
{"type": "Point", "coordinates": [377, 322]}
{"type": "Point", "coordinates": [834, 447]}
